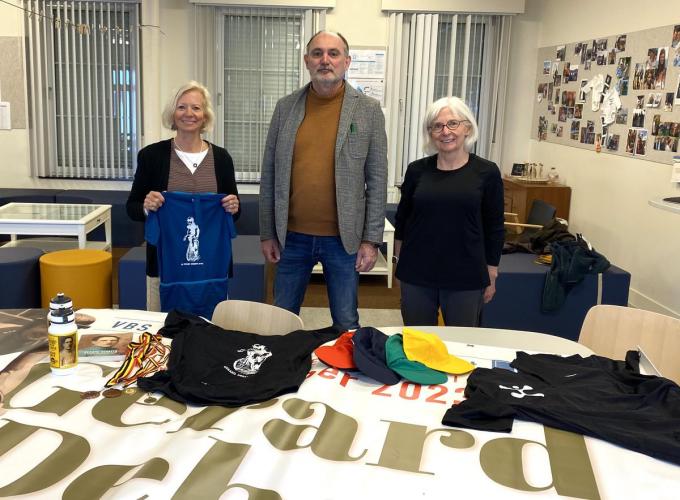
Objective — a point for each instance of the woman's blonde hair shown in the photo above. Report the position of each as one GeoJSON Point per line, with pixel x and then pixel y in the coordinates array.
{"type": "Point", "coordinates": [457, 107]}
{"type": "Point", "coordinates": [168, 115]}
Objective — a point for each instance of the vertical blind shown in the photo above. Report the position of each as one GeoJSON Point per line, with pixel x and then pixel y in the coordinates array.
{"type": "Point", "coordinates": [83, 84]}
{"type": "Point", "coordinates": [259, 59]}
{"type": "Point", "coordinates": [437, 55]}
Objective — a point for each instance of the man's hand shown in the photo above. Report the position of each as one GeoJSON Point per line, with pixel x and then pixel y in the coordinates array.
{"type": "Point", "coordinates": [271, 250]}
{"type": "Point", "coordinates": [490, 290]}
{"type": "Point", "coordinates": [366, 257]}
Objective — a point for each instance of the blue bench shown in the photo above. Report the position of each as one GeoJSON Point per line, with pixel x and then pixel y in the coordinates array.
{"type": "Point", "coordinates": [248, 282]}
{"type": "Point", "coordinates": [519, 292]}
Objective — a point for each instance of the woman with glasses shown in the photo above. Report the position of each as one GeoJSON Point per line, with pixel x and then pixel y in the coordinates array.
{"type": "Point", "coordinates": [449, 223]}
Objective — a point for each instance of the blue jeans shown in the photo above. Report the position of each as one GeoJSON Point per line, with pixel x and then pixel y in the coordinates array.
{"type": "Point", "coordinates": [301, 253]}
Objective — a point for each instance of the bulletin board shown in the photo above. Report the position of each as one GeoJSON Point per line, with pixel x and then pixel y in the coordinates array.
{"type": "Point", "coordinates": [618, 94]}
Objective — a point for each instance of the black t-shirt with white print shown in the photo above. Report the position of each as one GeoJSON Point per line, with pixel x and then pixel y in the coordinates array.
{"type": "Point", "coordinates": [209, 365]}
{"type": "Point", "coordinates": [593, 396]}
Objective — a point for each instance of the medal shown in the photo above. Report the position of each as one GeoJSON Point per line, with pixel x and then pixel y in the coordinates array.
{"type": "Point", "coordinates": [112, 393]}
{"type": "Point", "coordinates": [89, 394]}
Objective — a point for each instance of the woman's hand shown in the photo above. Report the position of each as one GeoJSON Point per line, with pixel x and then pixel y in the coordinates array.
{"type": "Point", "coordinates": [230, 203]}
{"type": "Point", "coordinates": [153, 201]}
{"type": "Point", "coordinates": [490, 290]}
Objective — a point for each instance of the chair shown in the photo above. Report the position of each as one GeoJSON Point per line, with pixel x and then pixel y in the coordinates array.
{"type": "Point", "coordinates": [255, 317]}
{"type": "Point", "coordinates": [540, 214]}
{"type": "Point", "coordinates": [611, 331]}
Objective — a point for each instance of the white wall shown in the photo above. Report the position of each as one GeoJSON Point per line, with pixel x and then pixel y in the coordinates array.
{"type": "Point", "coordinates": [609, 193]}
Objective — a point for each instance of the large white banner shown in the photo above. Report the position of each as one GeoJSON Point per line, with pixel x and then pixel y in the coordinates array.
{"type": "Point", "coordinates": [341, 436]}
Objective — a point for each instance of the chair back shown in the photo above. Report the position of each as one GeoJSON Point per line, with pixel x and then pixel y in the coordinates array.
{"type": "Point", "coordinates": [255, 317]}
{"type": "Point", "coordinates": [541, 213]}
{"type": "Point", "coordinates": [611, 331]}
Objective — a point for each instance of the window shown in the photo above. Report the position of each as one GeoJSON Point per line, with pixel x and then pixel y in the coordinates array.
{"type": "Point", "coordinates": [435, 55]}
{"type": "Point", "coordinates": [84, 88]}
{"type": "Point", "coordinates": [260, 60]}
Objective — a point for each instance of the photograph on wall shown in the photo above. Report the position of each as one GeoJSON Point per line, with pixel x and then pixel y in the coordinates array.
{"type": "Point", "coordinates": [569, 98]}
{"type": "Point", "coordinates": [581, 92]}
{"type": "Point", "coordinates": [565, 72]}
{"type": "Point", "coordinates": [630, 141]}
{"type": "Point", "coordinates": [570, 113]}
{"type": "Point", "coordinates": [601, 59]}
{"type": "Point", "coordinates": [660, 75]}
{"type": "Point", "coordinates": [546, 67]}
{"type": "Point", "coordinates": [573, 133]}
{"type": "Point", "coordinates": [641, 143]}
{"type": "Point", "coordinates": [676, 57]}
{"type": "Point", "coordinates": [656, 123]}
{"type": "Point", "coordinates": [551, 107]}
{"type": "Point", "coordinates": [623, 67]}
{"type": "Point", "coordinates": [667, 143]}
{"type": "Point", "coordinates": [621, 116]}
{"type": "Point", "coordinates": [553, 128]}
{"type": "Point", "coordinates": [654, 100]}
{"type": "Point", "coordinates": [652, 58]}
{"type": "Point", "coordinates": [622, 87]}
{"type": "Point", "coordinates": [620, 43]}
{"type": "Point", "coordinates": [648, 80]}
{"type": "Point", "coordinates": [562, 115]}
{"type": "Point", "coordinates": [668, 102]}
{"type": "Point", "coordinates": [542, 128]}
{"type": "Point", "coordinates": [578, 111]}
{"type": "Point", "coordinates": [612, 142]}
{"type": "Point", "coordinates": [675, 41]}
{"type": "Point", "coordinates": [551, 87]}
{"type": "Point", "coordinates": [560, 131]}
{"type": "Point", "coordinates": [611, 57]}
{"type": "Point", "coordinates": [638, 118]}
{"type": "Point", "coordinates": [561, 50]}
{"type": "Point", "coordinates": [557, 81]}
{"type": "Point", "coordinates": [573, 73]}
{"type": "Point", "coordinates": [638, 76]}
{"type": "Point", "coordinates": [601, 44]}
{"type": "Point", "coordinates": [577, 48]}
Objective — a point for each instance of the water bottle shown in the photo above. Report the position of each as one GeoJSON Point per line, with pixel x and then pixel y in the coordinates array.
{"type": "Point", "coordinates": [62, 335]}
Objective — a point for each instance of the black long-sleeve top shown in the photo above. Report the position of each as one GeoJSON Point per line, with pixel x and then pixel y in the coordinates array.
{"type": "Point", "coordinates": [450, 224]}
{"type": "Point", "coordinates": [153, 172]}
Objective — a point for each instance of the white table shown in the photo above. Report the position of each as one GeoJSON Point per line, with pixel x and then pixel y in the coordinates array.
{"type": "Point", "coordinates": [342, 435]}
{"type": "Point", "coordinates": [55, 219]}
{"type": "Point", "coordinates": [383, 265]}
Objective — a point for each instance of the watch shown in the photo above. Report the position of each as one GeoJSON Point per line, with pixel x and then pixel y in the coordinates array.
{"type": "Point", "coordinates": [395, 259]}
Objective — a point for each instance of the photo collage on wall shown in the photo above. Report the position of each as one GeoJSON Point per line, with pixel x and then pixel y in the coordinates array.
{"type": "Point", "coordinates": [604, 93]}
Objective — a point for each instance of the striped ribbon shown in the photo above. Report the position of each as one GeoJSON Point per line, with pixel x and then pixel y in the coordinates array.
{"type": "Point", "coordinates": [144, 358]}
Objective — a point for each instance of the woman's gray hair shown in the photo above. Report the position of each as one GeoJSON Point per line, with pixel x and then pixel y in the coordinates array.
{"type": "Point", "coordinates": [457, 107]}
{"type": "Point", "coordinates": [168, 115]}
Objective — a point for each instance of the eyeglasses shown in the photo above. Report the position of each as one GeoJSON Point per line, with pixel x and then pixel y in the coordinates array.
{"type": "Point", "coordinates": [451, 125]}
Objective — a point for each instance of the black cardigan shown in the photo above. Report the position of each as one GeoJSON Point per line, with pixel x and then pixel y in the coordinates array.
{"type": "Point", "coordinates": [153, 171]}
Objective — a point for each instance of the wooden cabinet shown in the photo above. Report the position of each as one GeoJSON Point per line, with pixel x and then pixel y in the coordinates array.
{"type": "Point", "coordinates": [520, 195]}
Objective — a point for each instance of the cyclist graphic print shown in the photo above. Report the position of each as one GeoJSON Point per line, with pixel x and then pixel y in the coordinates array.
{"type": "Point", "coordinates": [193, 232]}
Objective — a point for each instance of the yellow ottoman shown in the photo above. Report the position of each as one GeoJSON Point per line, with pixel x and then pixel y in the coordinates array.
{"type": "Point", "coordinates": [84, 275]}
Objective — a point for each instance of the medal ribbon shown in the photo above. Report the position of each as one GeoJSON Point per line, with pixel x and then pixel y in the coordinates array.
{"type": "Point", "coordinates": [144, 358]}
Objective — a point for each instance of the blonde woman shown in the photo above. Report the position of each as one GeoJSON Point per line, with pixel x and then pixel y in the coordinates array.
{"type": "Point", "coordinates": [186, 163]}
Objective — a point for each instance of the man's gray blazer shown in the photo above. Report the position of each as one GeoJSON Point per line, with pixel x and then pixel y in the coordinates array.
{"type": "Point", "coordinates": [360, 168]}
